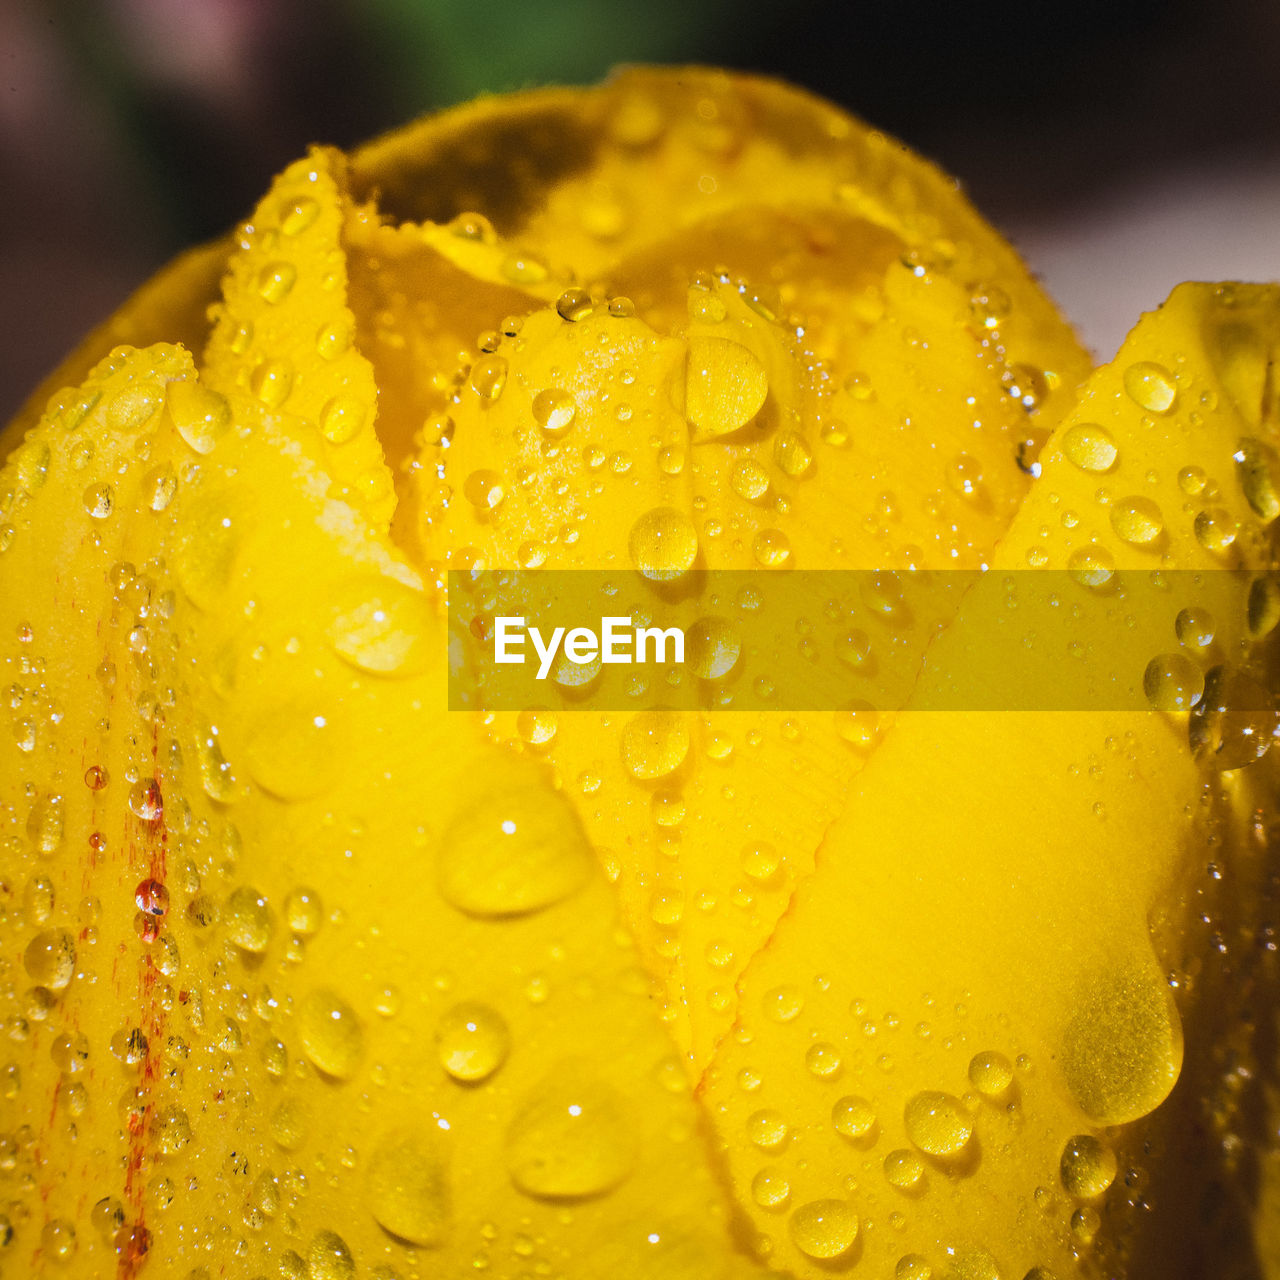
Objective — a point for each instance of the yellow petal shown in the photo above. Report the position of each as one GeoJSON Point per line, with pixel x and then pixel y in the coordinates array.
{"type": "Point", "coordinates": [965, 1027]}
{"type": "Point", "coordinates": [305, 975]}
{"type": "Point", "coordinates": [285, 336]}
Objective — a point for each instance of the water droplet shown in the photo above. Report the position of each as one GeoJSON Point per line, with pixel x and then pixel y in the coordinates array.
{"type": "Point", "coordinates": [767, 1129]}
{"type": "Point", "coordinates": [297, 215]}
{"type": "Point", "coordinates": [823, 1060]}
{"type": "Point", "coordinates": [334, 339]}
{"type": "Point", "coordinates": [655, 744]}
{"type": "Point", "coordinates": [749, 480]}
{"type": "Point", "coordinates": [342, 419]}
{"type": "Point", "coordinates": [824, 1229]}
{"type": "Point", "coordinates": [1137, 520]}
{"type": "Point", "coordinates": [574, 305]}
{"type": "Point", "coordinates": [663, 544]}
{"type": "Point", "coordinates": [991, 1074]}
{"type": "Point", "coordinates": [303, 912]}
{"type": "Point", "coordinates": [1263, 611]}
{"type": "Point", "coordinates": [571, 1139]}
{"type": "Point", "coordinates": [289, 752]}
{"type": "Point", "coordinates": [770, 1189]}
{"type": "Point", "coordinates": [271, 382]}
{"type": "Point", "coordinates": [1150, 385]}
{"type": "Point", "coordinates": [536, 726]}
{"type": "Point", "coordinates": [1257, 467]}
{"type": "Point", "coordinates": [331, 1034]}
{"type": "Point", "coordinates": [1122, 1048]}
{"type": "Point", "coordinates": [554, 411]}
{"type": "Point", "coordinates": [725, 386]}
{"type": "Point", "coordinates": [488, 378]}
{"type": "Point", "coordinates": [713, 648]}
{"type": "Point", "coordinates": [761, 862]}
{"type": "Point", "coordinates": [275, 281]}
{"type": "Point", "coordinates": [145, 800]}
{"type": "Point", "coordinates": [50, 959]}
{"type": "Point", "coordinates": [170, 1129]}
{"type": "Point", "coordinates": [1215, 529]}
{"type": "Point", "coordinates": [1092, 566]}
{"type": "Point", "coordinates": [46, 825]}
{"type": "Point", "coordinates": [484, 490]}
{"type": "Point", "coordinates": [853, 1117]}
{"type": "Point", "coordinates": [472, 1041]}
{"type": "Point", "coordinates": [58, 1240]}
{"type": "Point", "coordinates": [1234, 723]}
{"type": "Point", "coordinates": [406, 1185]}
{"type": "Point", "coordinates": [771, 548]}
{"type": "Point", "coordinates": [858, 725]}
{"type": "Point", "coordinates": [329, 1258]}
{"type": "Point", "coordinates": [783, 1003]}
{"type": "Point", "coordinates": [903, 1169]}
{"type": "Point", "coordinates": [1088, 1167]}
{"type": "Point", "coordinates": [1192, 480]}
{"type": "Point", "coordinates": [250, 920]}
{"type": "Point", "coordinates": [792, 454]}
{"type": "Point", "coordinates": [98, 500]}
{"type": "Point", "coordinates": [515, 848]}
{"type": "Point", "coordinates": [1172, 682]}
{"type": "Point", "coordinates": [381, 626]}
{"type": "Point", "coordinates": [152, 898]}
{"type": "Point", "coordinates": [31, 462]}
{"type": "Point", "coordinates": [912, 1266]}
{"type": "Point", "coordinates": [1085, 1223]}
{"type": "Point", "coordinates": [216, 777]}
{"type": "Point", "coordinates": [1090, 447]}
{"type": "Point", "coordinates": [938, 1124]}
{"type": "Point", "coordinates": [159, 486]}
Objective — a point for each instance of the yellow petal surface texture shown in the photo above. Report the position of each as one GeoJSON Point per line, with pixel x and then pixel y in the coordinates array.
{"type": "Point", "coordinates": [304, 979]}
{"type": "Point", "coordinates": [952, 1056]}
{"type": "Point", "coordinates": [682, 365]}
{"type": "Point", "coordinates": [307, 975]}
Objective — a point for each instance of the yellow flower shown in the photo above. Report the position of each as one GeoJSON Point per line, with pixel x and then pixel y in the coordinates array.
{"type": "Point", "coordinates": [309, 976]}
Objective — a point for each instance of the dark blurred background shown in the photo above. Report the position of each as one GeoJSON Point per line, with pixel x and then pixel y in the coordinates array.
{"type": "Point", "coordinates": [1124, 146]}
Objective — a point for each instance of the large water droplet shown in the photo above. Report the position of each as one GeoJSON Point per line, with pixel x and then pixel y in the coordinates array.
{"type": "Point", "coordinates": [331, 1034]}
{"type": "Point", "coordinates": [406, 1185]}
{"type": "Point", "coordinates": [380, 625]}
{"type": "Point", "coordinates": [514, 848]}
{"type": "Point", "coordinates": [1234, 722]}
{"type": "Point", "coordinates": [1150, 385]}
{"type": "Point", "coordinates": [250, 920]}
{"type": "Point", "coordinates": [824, 1229]}
{"type": "Point", "coordinates": [655, 744]}
{"type": "Point", "coordinates": [663, 544]}
{"type": "Point", "coordinates": [1122, 1048]}
{"type": "Point", "coordinates": [1172, 682]}
{"type": "Point", "coordinates": [725, 386]}
{"type": "Point", "coordinates": [472, 1041]}
{"type": "Point", "coordinates": [329, 1258]}
{"type": "Point", "coordinates": [200, 415]}
{"type": "Point", "coordinates": [1137, 520]}
{"type": "Point", "coordinates": [1090, 447]}
{"type": "Point", "coordinates": [938, 1124]}
{"type": "Point", "coordinates": [50, 959]}
{"type": "Point", "coordinates": [1088, 1167]}
{"type": "Point", "coordinates": [571, 1139]}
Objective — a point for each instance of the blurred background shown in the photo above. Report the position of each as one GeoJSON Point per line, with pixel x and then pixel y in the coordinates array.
{"type": "Point", "coordinates": [1123, 145]}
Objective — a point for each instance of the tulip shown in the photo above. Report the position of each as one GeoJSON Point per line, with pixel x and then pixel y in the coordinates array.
{"type": "Point", "coordinates": [312, 977]}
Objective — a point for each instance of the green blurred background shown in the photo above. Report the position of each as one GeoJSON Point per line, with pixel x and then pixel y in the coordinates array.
{"type": "Point", "coordinates": [1124, 146]}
